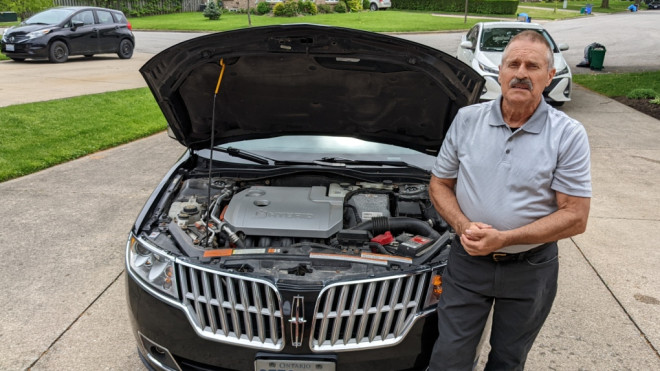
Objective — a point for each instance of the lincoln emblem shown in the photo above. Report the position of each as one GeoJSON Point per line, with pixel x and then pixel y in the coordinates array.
{"type": "Point", "coordinates": [297, 320]}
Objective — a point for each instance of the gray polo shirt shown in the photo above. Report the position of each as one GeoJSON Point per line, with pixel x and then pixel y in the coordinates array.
{"type": "Point", "coordinates": [508, 179]}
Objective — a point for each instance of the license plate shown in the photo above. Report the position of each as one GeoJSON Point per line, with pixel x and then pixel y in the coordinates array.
{"type": "Point", "coordinates": [292, 365]}
{"type": "Point", "coordinates": [9, 47]}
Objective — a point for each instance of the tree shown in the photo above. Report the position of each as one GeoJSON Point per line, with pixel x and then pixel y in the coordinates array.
{"type": "Point", "coordinates": [605, 4]}
{"type": "Point", "coordinates": [212, 11]}
{"type": "Point", "coordinates": [25, 8]}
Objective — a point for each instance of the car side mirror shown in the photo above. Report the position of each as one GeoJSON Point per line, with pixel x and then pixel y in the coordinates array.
{"type": "Point", "coordinates": [467, 44]}
{"type": "Point", "coordinates": [563, 47]}
{"type": "Point", "coordinates": [76, 24]}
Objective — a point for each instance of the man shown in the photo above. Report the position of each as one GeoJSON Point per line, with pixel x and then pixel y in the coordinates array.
{"type": "Point", "coordinates": [512, 178]}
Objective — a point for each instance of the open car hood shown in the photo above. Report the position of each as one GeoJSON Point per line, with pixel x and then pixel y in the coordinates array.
{"type": "Point", "coordinates": [309, 80]}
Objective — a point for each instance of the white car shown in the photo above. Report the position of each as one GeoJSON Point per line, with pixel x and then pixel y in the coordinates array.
{"type": "Point", "coordinates": [482, 47]}
{"type": "Point", "coordinates": [379, 4]}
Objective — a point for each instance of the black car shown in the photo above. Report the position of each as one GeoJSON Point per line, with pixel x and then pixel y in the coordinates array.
{"type": "Point", "coordinates": [653, 5]}
{"type": "Point", "coordinates": [57, 33]}
{"type": "Point", "coordinates": [296, 231]}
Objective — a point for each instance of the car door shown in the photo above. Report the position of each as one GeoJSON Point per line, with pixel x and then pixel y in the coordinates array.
{"type": "Point", "coordinates": [107, 32]}
{"type": "Point", "coordinates": [467, 54]}
{"type": "Point", "coordinates": [84, 35]}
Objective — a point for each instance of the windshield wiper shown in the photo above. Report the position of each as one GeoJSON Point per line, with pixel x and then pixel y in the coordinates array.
{"type": "Point", "coordinates": [235, 152]}
{"type": "Point", "coordinates": [340, 161]}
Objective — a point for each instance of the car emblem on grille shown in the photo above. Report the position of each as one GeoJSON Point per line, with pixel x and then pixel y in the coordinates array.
{"type": "Point", "coordinates": [297, 320]}
{"type": "Point", "coordinates": [11, 38]}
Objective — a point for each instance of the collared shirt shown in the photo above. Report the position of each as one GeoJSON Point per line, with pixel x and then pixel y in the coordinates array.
{"type": "Point", "coordinates": [508, 179]}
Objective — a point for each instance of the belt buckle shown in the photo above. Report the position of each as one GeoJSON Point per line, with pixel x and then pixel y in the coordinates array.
{"type": "Point", "coordinates": [497, 255]}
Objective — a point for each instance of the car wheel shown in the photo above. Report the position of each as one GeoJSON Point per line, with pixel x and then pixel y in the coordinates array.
{"type": "Point", "coordinates": [17, 59]}
{"type": "Point", "coordinates": [125, 49]}
{"type": "Point", "coordinates": [58, 52]}
{"type": "Point", "coordinates": [373, 7]}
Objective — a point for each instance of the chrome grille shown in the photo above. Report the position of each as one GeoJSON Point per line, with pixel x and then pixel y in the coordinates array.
{"type": "Point", "coordinates": [232, 308]}
{"type": "Point", "coordinates": [367, 314]}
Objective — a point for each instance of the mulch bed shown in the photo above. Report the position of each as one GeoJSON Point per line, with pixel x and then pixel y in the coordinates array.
{"type": "Point", "coordinates": [641, 105]}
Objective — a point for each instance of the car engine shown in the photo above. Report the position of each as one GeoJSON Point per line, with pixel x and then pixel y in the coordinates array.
{"type": "Point", "coordinates": [380, 223]}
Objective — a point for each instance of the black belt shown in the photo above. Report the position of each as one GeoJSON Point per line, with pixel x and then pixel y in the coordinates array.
{"type": "Point", "coordinates": [505, 257]}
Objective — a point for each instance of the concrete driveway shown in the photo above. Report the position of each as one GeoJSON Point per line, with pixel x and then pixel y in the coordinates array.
{"type": "Point", "coordinates": [63, 234]}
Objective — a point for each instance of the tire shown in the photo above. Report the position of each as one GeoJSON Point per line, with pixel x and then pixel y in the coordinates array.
{"type": "Point", "coordinates": [17, 59]}
{"type": "Point", "coordinates": [373, 7]}
{"type": "Point", "coordinates": [125, 49]}
{"type": "Point", "coordinates": [58, 52]}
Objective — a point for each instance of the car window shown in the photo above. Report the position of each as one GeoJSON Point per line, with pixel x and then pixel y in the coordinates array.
{"type": "Point", "coordinates": [496, 39]}
{"type": "Point", "coordinates": [119, 18]}
{"type": "Point", "coordinates": [52, 16]}
{"type": "Point", "coordinates": [86, 17]}
{"type": "Point", "coordinates": [104, 17]}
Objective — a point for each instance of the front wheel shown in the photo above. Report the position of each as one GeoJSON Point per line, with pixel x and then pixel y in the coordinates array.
{"type": "Point", "coordinates": [373, 7]}
{"type": "Point", "coordinates": [125, 49]}
{"type": "Point", "coordinates": [58, 52]}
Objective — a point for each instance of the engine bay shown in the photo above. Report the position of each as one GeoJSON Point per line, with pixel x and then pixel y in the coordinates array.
{"type": "Point", "coordinates": [330, 221]}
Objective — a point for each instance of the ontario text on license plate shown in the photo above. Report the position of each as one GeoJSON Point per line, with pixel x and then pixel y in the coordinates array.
{"type": "Point", "coordinates": [292, 365]}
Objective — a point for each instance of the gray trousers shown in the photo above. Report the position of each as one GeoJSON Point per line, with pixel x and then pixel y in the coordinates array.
{"type": "Point", "coordinates": [521, 295]}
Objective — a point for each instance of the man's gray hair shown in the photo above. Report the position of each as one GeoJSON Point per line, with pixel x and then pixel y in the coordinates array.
{"type": "Point", "coordinates": [535, 37]}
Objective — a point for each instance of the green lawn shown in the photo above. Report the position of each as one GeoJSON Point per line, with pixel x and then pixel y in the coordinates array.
{"type": "Point", "coordinates": [616, 85]}
{"type": "Point", "coordinates": [35, 136]}
{"type": "Point", "coordinates": [383, 21]}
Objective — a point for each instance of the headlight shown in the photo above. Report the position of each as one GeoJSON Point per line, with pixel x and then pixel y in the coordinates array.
{"type": "Point", "coordinates": [562, 72]}
{"type": "Point", "coordinates": [489, 69]}
{"type": "Point", "coordinates": [156, 269]}
{"type": "Point", "coordinates": [36, 34]}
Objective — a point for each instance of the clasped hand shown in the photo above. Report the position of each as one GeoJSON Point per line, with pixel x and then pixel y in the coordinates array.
{"type": "Point", "coordinates": [480, 239]}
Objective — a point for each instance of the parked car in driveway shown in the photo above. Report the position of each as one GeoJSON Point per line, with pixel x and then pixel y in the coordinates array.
{"type": "Point", "coordinates": [482, 47]}
{"type": "Point", "coordinates": [379, 4]}
{"type": "Point", "coordinates": [653, 5]}
{"type": "Point", "coordinates": [57, 33]}
{"type": "Point", "coordinates": [296, 232]}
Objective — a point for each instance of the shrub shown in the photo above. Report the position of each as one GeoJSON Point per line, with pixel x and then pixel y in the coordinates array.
{"type": "Point", "coordinates": [324, 8]}
{"type": "Point", "coordinates": [354, 5]}
{"type": "Point", "coordinates": [366, 4]}
{"type": "Point", "coordinates": [307, 7]}
{"type": "Point", "coordinates": [289, 8]}
{"type": "Point", "coordinates": [212, 11]}
{"type": "Point", "coordinates": [263, 8]}
{"type": "Point", "coordinates": [340, 7]}
{"type": "Point", "coordinates": [642, 94]}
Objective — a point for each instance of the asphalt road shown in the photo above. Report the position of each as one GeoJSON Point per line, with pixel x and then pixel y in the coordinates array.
{"type": "Point", "coordinates": [63, 233]}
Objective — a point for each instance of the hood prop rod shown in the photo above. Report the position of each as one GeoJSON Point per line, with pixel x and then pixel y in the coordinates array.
{"type": "Point", "coordinates": [215, 94]}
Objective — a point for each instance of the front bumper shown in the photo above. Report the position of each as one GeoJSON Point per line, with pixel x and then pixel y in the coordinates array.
{"type": "Point", "coordinates": [559, 89]}
{"type": "Point", "coordinates": [25, 50]}
{"type": "Point", "coordinates": [172, 343]}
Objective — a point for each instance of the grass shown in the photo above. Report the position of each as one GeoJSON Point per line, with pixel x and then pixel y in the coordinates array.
{"type": "Point", "coordinates": [619, 84]}
{"type": "Point", "coordinates": [383, 21]}
{"type": "Point", "coordinates": [44, 134]}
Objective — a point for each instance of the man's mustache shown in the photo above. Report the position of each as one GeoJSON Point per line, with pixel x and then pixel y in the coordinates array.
{"type": "Point", "coordinates": [526, 82]}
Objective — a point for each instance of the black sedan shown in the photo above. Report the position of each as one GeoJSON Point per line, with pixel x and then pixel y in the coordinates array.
{"type": "Point", "coordinates": [296, 232]}
{"type": "Point", "coordinates": [57, 33]}
{"type": "Point", "coordinates": [654, 5]}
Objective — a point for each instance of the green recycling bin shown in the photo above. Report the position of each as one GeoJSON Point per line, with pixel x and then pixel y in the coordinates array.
{"type": "Point", "coordinates": [596, 57]}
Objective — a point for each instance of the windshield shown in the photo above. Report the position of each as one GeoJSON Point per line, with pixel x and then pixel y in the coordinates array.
{"type": "Point", "coordinates": [495, 39]}
{"type": "Point", "coordinates": [311, 148]}
{"type": "Point", "coordinates": [51, 16]}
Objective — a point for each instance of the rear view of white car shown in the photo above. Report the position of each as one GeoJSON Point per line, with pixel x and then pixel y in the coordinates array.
{"type": "Point", "coordinates": [482, 49]}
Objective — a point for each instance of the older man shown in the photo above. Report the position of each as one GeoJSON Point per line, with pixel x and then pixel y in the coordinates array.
{"type": "Point", "coordinates": [512, 178]}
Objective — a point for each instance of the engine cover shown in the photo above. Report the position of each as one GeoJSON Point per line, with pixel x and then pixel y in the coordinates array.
{"type": "Point", "coordinates": [285, 211]}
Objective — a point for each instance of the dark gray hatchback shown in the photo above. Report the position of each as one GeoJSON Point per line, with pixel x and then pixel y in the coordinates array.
{"type": "Point", "coordinates": [296, 232]}
{"type": "Point", "coordinates": [57, 33]}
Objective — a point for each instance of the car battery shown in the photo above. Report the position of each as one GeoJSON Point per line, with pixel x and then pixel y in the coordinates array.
{"type": "Point", "coordinates": [412, 246]}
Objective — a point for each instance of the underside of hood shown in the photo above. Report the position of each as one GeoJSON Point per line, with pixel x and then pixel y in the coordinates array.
{"type": "Point", "coordinates": [307, 80]}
